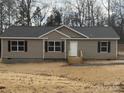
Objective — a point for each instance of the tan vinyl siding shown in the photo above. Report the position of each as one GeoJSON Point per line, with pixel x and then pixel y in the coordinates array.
{"type": "Point", "coordinates": [70, 33]}
{"type": "Point", "coordinates": [89, 48]}
{"type": "Point", "coordinates": [54, 36]}
{"type": "Point", "coordinates": [35, 50]}
{"type": "Point", "coordinates": [54, 55]}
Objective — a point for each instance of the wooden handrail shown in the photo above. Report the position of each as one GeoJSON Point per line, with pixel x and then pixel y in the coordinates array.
{"type": "Point", "coordinates": [81, 53]}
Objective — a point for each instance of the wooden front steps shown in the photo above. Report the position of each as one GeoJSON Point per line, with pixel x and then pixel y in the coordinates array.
{"type": "Point", "coordinates": [75, 60]}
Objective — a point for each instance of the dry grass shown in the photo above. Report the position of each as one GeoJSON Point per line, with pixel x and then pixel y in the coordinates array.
{"type": "Point", "coordinates": [61, 78]}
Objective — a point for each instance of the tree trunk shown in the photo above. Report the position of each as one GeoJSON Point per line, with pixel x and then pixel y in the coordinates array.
{"type": "Point", "coordinates": [109, 12]}
{"type": "Point", "coordinates": [9, 16]}
{"type": "Point", "coordinates": [1, 15]}
{"type": "Point", "coordinates": [92, 14]}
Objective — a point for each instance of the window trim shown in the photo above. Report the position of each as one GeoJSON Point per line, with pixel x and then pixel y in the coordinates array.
{"type": "Point", "coordinates": [11, 50]}
{"type": "Point", "coordinates": [11, 46]}
{"type": "Point", "coordinates": [48, 46]}
{"type": "Point", "coordinates": [54, 45]}
{"type": "Point", "coordinates": [107, 46]}
{"type": "Point", "coordinates": [21, 46]}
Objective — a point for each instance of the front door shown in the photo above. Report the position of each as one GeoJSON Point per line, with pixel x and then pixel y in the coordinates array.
{"type": "Point", "coordinates": [73, 48]}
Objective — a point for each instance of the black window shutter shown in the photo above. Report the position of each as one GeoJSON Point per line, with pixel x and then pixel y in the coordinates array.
{"type": "Point", "coordinates": [98, 48]}
{"type": "Point", "coordinates": [46, 46]}
{"type": "Point", "coordinates": [63, 46]}
{"type": "Point", "coordinates": [26, 46]}
{"type": "Point", "coordinates": [109, 47]}
{"type": "Point", "coordinates": [8, 46]}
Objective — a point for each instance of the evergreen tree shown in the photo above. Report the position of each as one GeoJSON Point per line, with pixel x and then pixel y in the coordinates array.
{"type": "Point", "coordinates": [55, 18]}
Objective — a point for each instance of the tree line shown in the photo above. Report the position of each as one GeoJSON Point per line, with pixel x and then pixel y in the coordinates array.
{"type": "Point", "coordinates": [81, 13]}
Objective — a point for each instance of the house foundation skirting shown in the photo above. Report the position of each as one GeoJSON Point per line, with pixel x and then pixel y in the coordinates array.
{"type": "Point", "coordinates": [29, 60]}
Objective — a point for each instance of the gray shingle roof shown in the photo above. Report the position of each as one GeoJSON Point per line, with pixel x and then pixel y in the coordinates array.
{"type": "Point", "coordinates": [25, 31]}
{"type": "Point", "coordinates": [98, 32]}
{"type": "Point", "coordinates": [91, 32]}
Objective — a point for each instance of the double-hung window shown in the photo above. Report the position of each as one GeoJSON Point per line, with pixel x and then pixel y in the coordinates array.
{"type": "Point", "coordinates": [17, 45]}
{"type": "Point", "coordinates": [103, 47]}
{"type": "Point", "coordinates": [51, 46]}
{"type": "Point", "coordinates": [54, 46]}
{"type": "Point", "coordinates": [58, 46]}
{"type": "Point", "coordinates": [13, 46]}
{"type": "Point", "coordinates": [21, 46]}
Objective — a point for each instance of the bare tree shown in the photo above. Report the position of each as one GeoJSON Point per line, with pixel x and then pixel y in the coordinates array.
{"type": "Point", "coordinates": [78, 13]}
{"type": "Point", "coordinates": [27, 15]}
{"type": "Point", "coordinates": [24, 12]}
{"type": "Point", "coordinates": [118, 15]}
{"type": "Point", "coordinates": [7, 12]}
{"type": "Point", "coordinates": [85, 13]}
{"type": "Point", "coordinates": [10, 6]}
{"type": "Point", "coordinates": [99, 17]}
{"type": "Point", "coordinates": [39, 15]}
{"type": "Point", "coordinates": [1, 14]}
{"type": "Point", "coordinates": [108, 8]}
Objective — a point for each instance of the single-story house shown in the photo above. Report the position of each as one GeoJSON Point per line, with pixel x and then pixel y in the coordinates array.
{"type": "Point", "coordinates": [22, 42]}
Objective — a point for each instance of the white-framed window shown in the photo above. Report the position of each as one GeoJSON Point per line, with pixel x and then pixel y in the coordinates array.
{"type": "Point", "coordinates": [13, 46]}
{"type": "Point", "coordinates": [104, 46]}
{"type": "Point", "coordinates": [58, 46]}
{"type": "Point", "coordinates": [51, 46]}
{"type": "Point", "coordinates": [17, 45]}
{"type": "Point", "coordinates": [54, 46]}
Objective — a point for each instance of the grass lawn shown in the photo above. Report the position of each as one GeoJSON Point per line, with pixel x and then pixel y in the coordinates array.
{"type": "Point", "coordinates": [58, 77]}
